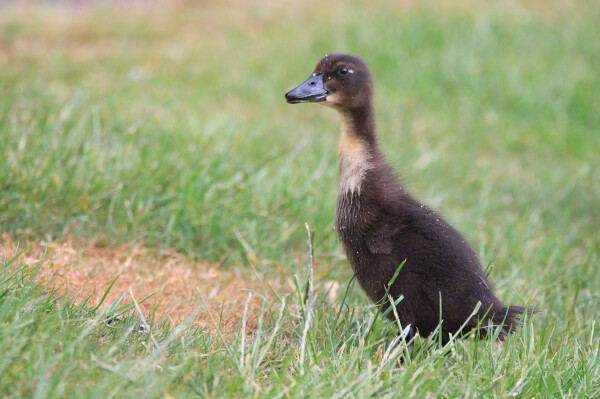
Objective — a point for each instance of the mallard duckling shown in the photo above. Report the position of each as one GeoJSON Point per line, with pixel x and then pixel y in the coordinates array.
{"type": "Point", "coordinates": [381, 226]}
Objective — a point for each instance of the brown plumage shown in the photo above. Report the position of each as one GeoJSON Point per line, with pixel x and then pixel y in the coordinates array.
{"type": "Point", "coordinates": [380, 225]}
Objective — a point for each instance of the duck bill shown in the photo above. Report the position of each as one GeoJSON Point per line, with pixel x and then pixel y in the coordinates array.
{"type": "Point", "coordinates": [311, 91]}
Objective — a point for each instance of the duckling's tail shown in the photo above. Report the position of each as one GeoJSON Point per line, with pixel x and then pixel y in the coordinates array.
{"type": "Point", "coordinates": [510, 317]}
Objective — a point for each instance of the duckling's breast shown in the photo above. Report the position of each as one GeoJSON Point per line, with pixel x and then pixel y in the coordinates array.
{"type": "Point", "coordinates": [354, 219]}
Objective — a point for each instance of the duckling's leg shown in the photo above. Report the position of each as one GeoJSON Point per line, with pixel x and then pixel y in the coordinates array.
{"type": "Point", "coordinates": [409, 334]}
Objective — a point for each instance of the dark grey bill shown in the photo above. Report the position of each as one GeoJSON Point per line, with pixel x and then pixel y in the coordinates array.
{"type": "Point", "coordinates": [310, 91]}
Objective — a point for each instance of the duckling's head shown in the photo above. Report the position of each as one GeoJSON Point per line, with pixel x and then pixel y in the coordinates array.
{"type": "Point", "coordinates": [340, 81]}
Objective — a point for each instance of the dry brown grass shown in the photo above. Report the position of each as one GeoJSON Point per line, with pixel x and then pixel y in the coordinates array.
{"type": "Point", "coordinates": [81, 269]}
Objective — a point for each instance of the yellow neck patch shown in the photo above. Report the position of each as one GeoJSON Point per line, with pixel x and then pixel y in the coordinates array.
{"type": "Point", "coordinates": [354, 161]}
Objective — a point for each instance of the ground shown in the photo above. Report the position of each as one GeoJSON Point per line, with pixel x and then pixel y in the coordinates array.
{"type": "Point", "coordinates": [182, 287]}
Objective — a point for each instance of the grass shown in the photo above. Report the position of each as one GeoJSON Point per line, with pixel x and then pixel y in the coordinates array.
{"type": "Point", "coordinates": [167, 126]}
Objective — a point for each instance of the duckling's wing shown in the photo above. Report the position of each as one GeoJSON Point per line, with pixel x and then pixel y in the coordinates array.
{"type": "Point", "coordinates": [381, 240]}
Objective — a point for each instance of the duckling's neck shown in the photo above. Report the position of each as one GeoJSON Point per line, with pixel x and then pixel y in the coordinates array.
{"type": "Point", "coordinates": [360, 122]}
{"type": "Point", "coordinates": [357, 148]}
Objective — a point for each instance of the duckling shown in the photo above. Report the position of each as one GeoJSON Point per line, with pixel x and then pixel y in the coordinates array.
{"type": "Point", "coordinates": [381, 226]}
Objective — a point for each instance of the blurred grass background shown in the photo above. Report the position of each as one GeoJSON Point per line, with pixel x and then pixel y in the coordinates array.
{"type": "Point", "coordinates": [166, 124]}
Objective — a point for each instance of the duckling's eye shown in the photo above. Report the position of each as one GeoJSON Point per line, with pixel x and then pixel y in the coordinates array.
{"type": "Point", "coordinates": [343, 70]}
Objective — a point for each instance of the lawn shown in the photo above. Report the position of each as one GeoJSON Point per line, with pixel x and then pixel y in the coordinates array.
{"type": "Point", "coordinates": [164, 128]}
